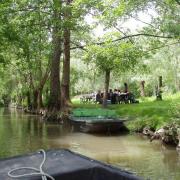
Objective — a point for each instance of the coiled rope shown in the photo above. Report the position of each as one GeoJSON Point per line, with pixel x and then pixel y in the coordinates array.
{"type": "Point", "coordinates": [38, 172]}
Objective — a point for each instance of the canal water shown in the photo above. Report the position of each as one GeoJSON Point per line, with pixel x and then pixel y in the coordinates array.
{"type": "Point", "coordinates": [22, 133]}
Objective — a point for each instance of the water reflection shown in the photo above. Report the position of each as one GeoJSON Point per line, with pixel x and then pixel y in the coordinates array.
{"type": "Point", "coordinates": [22, 133]}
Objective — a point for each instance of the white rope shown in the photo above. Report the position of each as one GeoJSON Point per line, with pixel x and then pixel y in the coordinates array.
{"type": "Point", "coordinates": [38, 172]}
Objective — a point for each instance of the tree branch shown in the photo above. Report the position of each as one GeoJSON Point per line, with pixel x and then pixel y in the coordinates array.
{"type": "Point", "coordinates": [135, 35]}
{"type": "Point", "coordinates": [122, 38]}
{"type": "Point", "coordinates": [143, 21]}
{"type": "Point", "coordinates": [130, 39]}
{"type": "Point", "coordinates": [77, 46]}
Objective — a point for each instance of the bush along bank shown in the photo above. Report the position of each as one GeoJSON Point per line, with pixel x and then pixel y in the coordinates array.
{"type": "Point", "coordinates": [156, 119]}
{"type": "Point", "coordinates": [169, 134]}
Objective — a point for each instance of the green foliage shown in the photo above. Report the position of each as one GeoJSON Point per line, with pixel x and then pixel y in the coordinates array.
{"type": "Point", "coordinates": [167, 21]}
{"type": "Point", "coordinates": [26, 44]}
{"type": "Point", "coordinates": [111, 56]}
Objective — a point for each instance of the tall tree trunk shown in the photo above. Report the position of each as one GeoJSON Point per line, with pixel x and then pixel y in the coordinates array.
{"type": "Point", "coordinates": [159, 91]}
{"type": "Point", "coordinates": [106, 87]}
{"type": "Point", "coordinates": [29, 105]}
{"type": "Point", "coordinates": [177, 79]}
{"type": "Point", "coordinates": [160, 81]}
{"type": "Point", "coordinates": [65, 87]}
{"type": "Point", "coordinates": [46, 94]}
{"type": "Point", "coordinates": [54, 100]}
{"type": "Point", "coordinates": [142, 89]}
{"type": "Point", "coordinates": [35, 100]}
{"type": "Point", "coordinates": [20, 100]}
{"type": "Point", "coordinates": [40, 100]}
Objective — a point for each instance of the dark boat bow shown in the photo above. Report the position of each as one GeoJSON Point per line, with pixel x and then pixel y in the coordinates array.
{"type": "Point", "coordinates": [65, 165]}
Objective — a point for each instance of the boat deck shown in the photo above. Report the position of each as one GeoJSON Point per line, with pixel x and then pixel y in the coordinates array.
{"type": "Point", "coordinates": [64, 165]}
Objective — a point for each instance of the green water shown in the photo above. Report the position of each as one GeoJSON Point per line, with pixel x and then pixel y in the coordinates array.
{"type": "Point", "coordinates": [22, 133]}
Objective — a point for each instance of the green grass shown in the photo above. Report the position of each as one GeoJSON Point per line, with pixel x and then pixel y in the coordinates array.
{"type": "Point", "coordinates": [148, 112]}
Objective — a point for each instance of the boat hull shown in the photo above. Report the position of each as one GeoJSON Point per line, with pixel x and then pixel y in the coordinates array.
{"type": "Point", "coordinates": [101, 127]}
{"type": "Point", "coordinates": [65, 165]}
{"type": "Point", "coordinates": [98, 125]}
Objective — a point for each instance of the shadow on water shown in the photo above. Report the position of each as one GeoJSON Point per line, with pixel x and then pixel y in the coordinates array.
{"type": "Point", "coordinates": [22, 133]}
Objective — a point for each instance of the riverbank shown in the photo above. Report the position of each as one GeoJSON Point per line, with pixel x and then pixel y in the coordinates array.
{"type": "Point", "coordinates": [149, 113]}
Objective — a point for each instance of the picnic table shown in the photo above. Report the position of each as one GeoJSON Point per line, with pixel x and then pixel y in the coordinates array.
{"type": "Point", "coordinates": [88, 99]}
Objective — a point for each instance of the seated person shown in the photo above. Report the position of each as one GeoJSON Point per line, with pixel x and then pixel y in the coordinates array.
{"type": "Point", "coordinates": [120, 97]}
{"type": "Point", "coordinates": [110, 93]}
{"type": "Point", "coordinates": [114, 97]}
{"type": "Point", "coordinates": [98, 97]}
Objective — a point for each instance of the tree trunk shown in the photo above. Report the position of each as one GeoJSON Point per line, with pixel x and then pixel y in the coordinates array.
{"type": "Point", "coordinates": [106, 88]}
{"type": "Point", "coordinates": [20, 100]}
{"type": "Point", "coordinates": [160, 81]}
{"type": "Point", "coordinates": [142, 89]}
{"type": "Point", "coordinates": [177, 79]}
{"type": "Point", "coordinates": [35, 100]}
{"type": "Point", "coordinates": [29, 105]}
{"type": "Point", "coordinates": [65, 87]}
{"type": "Point", "coordinates": [54, 100]}
{"type": "Point", "coordinates": [40, 101]}
{"type": "Point", "coordinates": [46, 94]}
{"type": "Point", "coordinates": [159, 91]}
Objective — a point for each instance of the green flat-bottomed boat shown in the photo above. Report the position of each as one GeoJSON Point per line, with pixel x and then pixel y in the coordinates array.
{"type": "Point", "coordinates": [97, 120]}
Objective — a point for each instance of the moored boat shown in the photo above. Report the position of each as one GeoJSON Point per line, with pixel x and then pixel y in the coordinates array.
{"type": "Point", "coordinates": [97, 120]}
{"type": "Point", "coordinates": [98, 124]}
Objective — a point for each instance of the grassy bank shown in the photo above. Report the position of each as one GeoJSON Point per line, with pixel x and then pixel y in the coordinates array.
{"type": "Point", "coordinates": [148, 112]}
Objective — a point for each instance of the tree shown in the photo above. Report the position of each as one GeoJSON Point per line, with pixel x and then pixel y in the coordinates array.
{"type": "Point", "coordinates": [142, 88]}
{"type": "Point", "coordinates": [34, 34]}
{"type": "Point", "coordinates": [113, 57]}
{"type": "Point", "coordinates": [31, 39]}
{"type": "Point", "coordinates": [54, 100]}
{"type": "Point", "coordinates": [65, 86]}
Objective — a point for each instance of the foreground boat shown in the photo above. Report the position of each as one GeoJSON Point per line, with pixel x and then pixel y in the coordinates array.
{"type": "Point", "coordinates": [63, 165]}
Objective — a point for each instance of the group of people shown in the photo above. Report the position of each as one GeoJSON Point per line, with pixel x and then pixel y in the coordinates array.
{"type": "Point", "coordinates": [117, 96]}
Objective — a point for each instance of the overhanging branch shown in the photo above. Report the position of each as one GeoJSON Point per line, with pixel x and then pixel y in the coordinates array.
{"type": "Point", "coordinates": [135, 35]}
{"type": "Point", "coordinates": [122, 38]}
{"type": "Point", "coordinates": [77, 46]}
